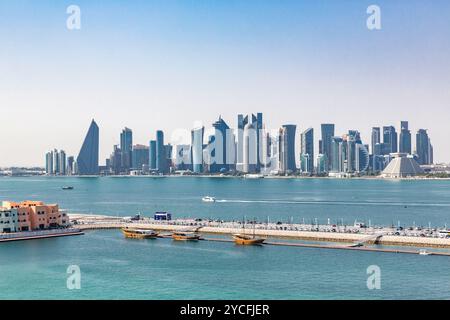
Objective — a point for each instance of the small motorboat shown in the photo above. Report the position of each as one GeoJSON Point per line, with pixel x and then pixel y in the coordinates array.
{"type": "Point", "coordinates": [139, 233]}
{"type": "Point", "coordinates": [424, 252]}
{"type": "Point", "coordinates": [185, 236]}
{"type": "Point", "coordinates": [208, 199]}
{"type": "Point", "coordinates": [67, 188]}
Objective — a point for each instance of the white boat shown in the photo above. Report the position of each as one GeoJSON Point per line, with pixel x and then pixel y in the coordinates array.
{"type": "Point", "coordinates": [208, 199]}
{"type": "Point", "coordinates": [424, 252]}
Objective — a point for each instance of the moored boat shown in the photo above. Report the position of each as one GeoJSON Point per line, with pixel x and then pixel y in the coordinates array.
{"type": "Point", "coordinates": [246, 240]}
{"type": "Point", "coordinates": [185, 236]}
{"type": "Point", "coordinates": [139, 233]}
{"type": "Point", "coordinates": [67, 188]}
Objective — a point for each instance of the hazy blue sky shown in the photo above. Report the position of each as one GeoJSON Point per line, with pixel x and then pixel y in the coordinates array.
{"type": "Point", "coordinates": [166, 64]}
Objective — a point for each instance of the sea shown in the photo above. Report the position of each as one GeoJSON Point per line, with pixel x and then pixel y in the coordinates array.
{"type": "Point", "coordinates": [105, 265]}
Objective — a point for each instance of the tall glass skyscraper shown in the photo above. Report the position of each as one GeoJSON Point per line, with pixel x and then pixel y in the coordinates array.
{"type": "Point", "coordinates": [197, 136]}
{"type": "Point", "coordinates": [126, 147]}
{"type": "Point", "coordinates": [161, 153]}
{"type": "Point", "coordinates": [287, 148]}
{"type": "Point", "coordinates": [222, 130]}
{"type": "Point", "coordinates": [327, 136]}
{"type": "Point", "coordinates": [307, 151]}
{"type": "Point", "coordinates": [405, 138]}
{"type": "Point", "coordinates": [152, 155]}
{"type": "Point", "coordinates": [390, 137]}
{"type": "Point", "coordinates": [423, 147]}
{"type": "Point", "coordinates": [87, 160]}
{"type": "Point", "coordinates": [376, 138]}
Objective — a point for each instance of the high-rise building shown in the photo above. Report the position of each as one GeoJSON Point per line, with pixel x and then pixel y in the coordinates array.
{"type": "Point", "coordinates": [219, 152]}
{"type": "Point", "coordinates": [287, 149]}
{"type": "Point", "coordinates": [87, 160]}
{"type": "Point", "coordinates": [70, 165]}
{"type": "Point", "coordinates": [405, 138]}
{"type": "Point", "coordinates": [126, 148]}
{"type": "Point", "coordinates": [140, 157]}
{"type": "Point", "coordinates": [152, 155]}
{"type": "Point", "coordinates": [250, 149]}
{"type": "Point", "coordinates": [307, 151]}
{"type": "Point", "coordinates": [326, 141]}
{"type": "Point", "coordinates": [197, 136]}
{"type": "Point", "coordinates": [337, 154]}
{"type": "Point", "coordinates": [376, 137]}
{"type": "Point", "coordinates": [161, 153]}
{"type": "Point", "coordinates": [390, 137]}
{"type": "Point", "coordinates": [257, 125]}
{"type": "Point", "coordinates": [321, 164]}
{"type": "Point", "coordinates": [49, 163]}
{"type": "Point", "coordinates": [62, 163]}
{"type": "Point", "coordinates": [423, 147]}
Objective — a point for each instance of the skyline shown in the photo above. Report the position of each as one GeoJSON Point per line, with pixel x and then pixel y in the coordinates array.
{"type": "Point", "coordinates": [165, 65]}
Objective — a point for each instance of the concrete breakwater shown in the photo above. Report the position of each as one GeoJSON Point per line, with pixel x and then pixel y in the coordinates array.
{"type": "Point", "coordinates": [349, 235]}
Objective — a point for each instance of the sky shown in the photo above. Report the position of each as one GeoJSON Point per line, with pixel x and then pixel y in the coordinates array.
{"type": "Point", "coordinates": [170, 64]}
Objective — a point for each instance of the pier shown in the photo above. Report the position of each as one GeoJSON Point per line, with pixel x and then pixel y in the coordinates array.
{"type": "Point", "coordinates": [348, 238]}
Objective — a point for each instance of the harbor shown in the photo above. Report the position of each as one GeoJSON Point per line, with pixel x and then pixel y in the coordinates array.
{"type": "Point", "coordinates": [356, 237]}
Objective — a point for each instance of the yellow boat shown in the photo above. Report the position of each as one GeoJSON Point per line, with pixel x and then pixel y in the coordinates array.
{"type": "Point", "coordinates": [242, 239]}
{"type": "Point", "coordinates": [185, 236]}
{"type": "Point", "coordinates": [139, 233]}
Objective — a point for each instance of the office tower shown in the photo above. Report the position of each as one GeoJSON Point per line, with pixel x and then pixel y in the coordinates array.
{"type": "Point", "coordinates": [70, 165]}
{"type": "Point", "coordinates": [197, 136]}
{"type": "Point", "coordinates": [337, 151]}
{"type": "Point", "coordinates": [327, 135]}
{"type": "Point", "coordinates": [423, 147]}
{"type": "Point", "coordinates": [161, 155]}
{"type": "Point", "coordinates": [56, 162]}
{"type": "Point", "coordinates": [405, 138]}
{"type": "Point", "coordinates": [250, 148]}
{"type": "Point", "coordinates": [140, 157]}
{"type": "Point", "coordinates": [287, 149]}
{"type": "Point", "coordinates": [182, 159]}
{"type": "Point", "coordinates": [49, 163]}
{"type": "Point", "coordinates": [321, 164]}
{"type": "Point", "coordinates": [362, 160]}
{"type": "Point", "coordinates": [376, 137]}
{"type": "Point", "coordinates": [126, 147]}
{"type": "Point", "coordinates": [307, 151]}
{"type": "Point", "coordinates": [152, 155]}
{"type": "Point", "coordinates": [87, 160]}
{"type": "Point", "coordinates": [62, 163]}
{"type": "Point", "coordinates": [257, 122]}
{"type": "Point", "coordinates": [390, 137]}
{"type": "Point", "coordinates": [219, 152]}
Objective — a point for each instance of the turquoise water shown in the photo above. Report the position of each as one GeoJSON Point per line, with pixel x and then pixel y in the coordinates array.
{"type": "Point", "coordinates": [113, 267]}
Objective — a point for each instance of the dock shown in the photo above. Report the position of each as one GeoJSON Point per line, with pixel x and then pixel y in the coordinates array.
{"type": "Point", "coordinates": [42, 234]}
{"type": "Point", "coordinates": [348, 238]}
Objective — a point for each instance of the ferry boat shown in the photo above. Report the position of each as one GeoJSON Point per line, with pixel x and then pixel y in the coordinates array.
{"type": "Point", "coordinates": [139, 233]}
{"type": "Point", "coordinates": [208, 199]}
{"type": "Point", "coordinates": [185, 236]}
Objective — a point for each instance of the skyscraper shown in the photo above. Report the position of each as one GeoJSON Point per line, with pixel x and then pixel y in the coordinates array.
{"type": "Point", "coordinates": [307, 151]}
{"type": "Point", "coordinates": [327, 136]}
{"type": "Point", "coordinates": [405, 138]}
{"type": "Point", "coordinates": [126, 147]}
{"type": "Point", "coordinates": [423, 148]}
{"type": "Point", "coordinates": [87, 160]}
{"type": "Point", "coordinates": [152, 155]}
{"type": "Point", "coordinates": [376, 138]}
{"type": "Point", "coordinates": [62, 163]}
{"type": "Point", "coordinates": [250, 148]}
{"type": "Point", "coordinates": [197, 136]}
{"type": "Point", "coordinates": [222, 130]}
{"type": "Point", "coordinates": [49, 163]}
{"type": "Point", "coordinates": [140, 157]}
{"type": "Point", "coordinates": [287, 149]}
{"type": "Point", "coordinates": [161, 153]}
{"type": "Point", "coordinates": [390, 137]}
{"type": "Point", "coordinates": [257, 125]}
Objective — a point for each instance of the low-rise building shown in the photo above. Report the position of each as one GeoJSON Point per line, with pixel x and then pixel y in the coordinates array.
{"type": "Point", "coordinates": [36, 215]}
{"type": "Point", "coordinates": [8, 220]}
